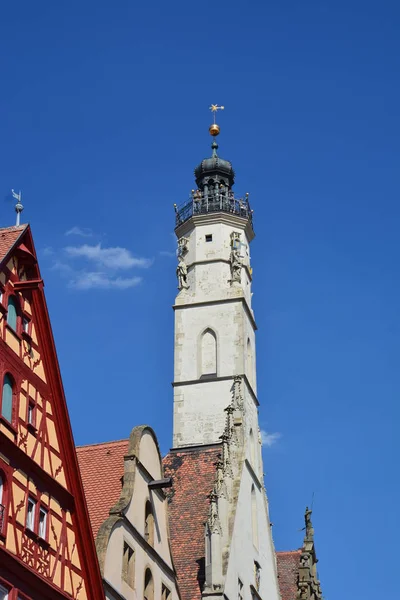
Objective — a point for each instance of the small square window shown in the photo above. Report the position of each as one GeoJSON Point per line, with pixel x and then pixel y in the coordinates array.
{"type": "Point", "coordinates": [43, 523]}
{"type": "Point", "coordinates": [30, 515]}
{"type": "Point", "coordinates": [209, 237]}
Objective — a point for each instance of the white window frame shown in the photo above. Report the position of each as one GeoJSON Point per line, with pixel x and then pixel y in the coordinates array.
{"type": "Point", "coordinates": [43, 524]}
{"type": "Point", "coordinates": [30, 515]}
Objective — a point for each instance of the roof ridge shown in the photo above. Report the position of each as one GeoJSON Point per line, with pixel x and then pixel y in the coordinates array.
{"type": "Point", "coordinates": [98, 444]}
{"type": "Point", "coordinates": [289, 551]}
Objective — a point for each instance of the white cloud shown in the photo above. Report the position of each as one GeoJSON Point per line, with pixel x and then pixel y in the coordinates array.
{"type": "Point", "coordinates": [95, 280]}
{"type": "Point", "coordinates": [47, 251]}
{"type": "Point", "coordinates": [269, 439]}
{"type": "Point", "coordinates": [167, 253]}
{"type": "Point", "coordinates": [82, 231]}
{"type": "Point", "coordinates": [111, 258]}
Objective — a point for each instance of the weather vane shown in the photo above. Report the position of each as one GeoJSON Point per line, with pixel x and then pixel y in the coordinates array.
{"type": "Point", "coordinates": [214, 128]}
{"type": "Point", "coordinates": [18, 207]}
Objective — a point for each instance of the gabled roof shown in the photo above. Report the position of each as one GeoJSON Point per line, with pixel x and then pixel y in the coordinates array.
{"type": "Point", "coordinates": [193, 474]}
{"type": "Point", "coordinates": [8, 237]}
{"type": "Point", "coordinates": [102, 467]}
{"type": "Point", "coordinates": [11, 239]}
{"type": "Point", "coordinates": [288, 571]}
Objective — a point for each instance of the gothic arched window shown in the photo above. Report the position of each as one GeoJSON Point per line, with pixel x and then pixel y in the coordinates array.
{"type": "Point", "coordinates": [254, 522]}
{"type": "Point", "coordinates": [149, 524]}
{"type": "Point", "coordinates": [208, 349]}
{"type": "Point", "coordinates": [148, 586]}
{"type": "Point", "coordinates": [12, 313]}
{"type": "Point", "coordinates": [7, 398]}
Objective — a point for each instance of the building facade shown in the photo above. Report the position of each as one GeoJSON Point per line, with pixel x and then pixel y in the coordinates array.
{"type": "Point", "coordinates": [46, 547]}
{"type": "Point", "coordinates": [125, 486]}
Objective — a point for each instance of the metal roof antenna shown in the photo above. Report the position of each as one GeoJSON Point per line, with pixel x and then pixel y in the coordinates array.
{"type": "Point", "coordinates": [18, 207]}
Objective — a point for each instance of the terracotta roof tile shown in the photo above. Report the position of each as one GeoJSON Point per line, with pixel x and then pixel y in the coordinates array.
{"type": "Point", "coordinates": [8, 237]}
{"type": "Point", "coordinates": [102, 466]}
{"type": "Point", "coordinates": [288, 570]}
{"type": "Point", "coordinates": [193, 474]}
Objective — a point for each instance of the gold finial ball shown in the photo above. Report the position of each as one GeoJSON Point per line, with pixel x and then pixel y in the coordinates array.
{"type": "Point", "coordinates": [214, 129]}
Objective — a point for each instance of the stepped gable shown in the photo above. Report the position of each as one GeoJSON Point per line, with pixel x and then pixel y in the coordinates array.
{"type": "Point", "coordinates": [102, 467]}
{"type": "Point", "coordinates": [288, 573]}
{"type": "Point", "coordinates": [193, 475]}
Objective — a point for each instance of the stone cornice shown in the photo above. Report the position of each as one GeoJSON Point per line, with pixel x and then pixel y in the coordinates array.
{"type": "Point", "coordinates": [213, 218]}
{"type": "Point", "coordinates": [216, 378]}
{"type": "Point", "coordinates": [225, 301]}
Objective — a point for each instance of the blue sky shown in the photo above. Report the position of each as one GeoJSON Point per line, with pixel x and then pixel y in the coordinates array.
{"type": "Point", "coordinates": [103, 117]}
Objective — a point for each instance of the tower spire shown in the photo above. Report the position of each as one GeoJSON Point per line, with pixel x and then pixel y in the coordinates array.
{"type": "Point", "coordinates": [18, 207]}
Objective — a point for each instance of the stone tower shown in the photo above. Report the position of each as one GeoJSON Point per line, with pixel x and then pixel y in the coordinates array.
{"type": "Point", "coordinates": [216, 461]}
{"type": "Point", "coordinates": [214, 321]}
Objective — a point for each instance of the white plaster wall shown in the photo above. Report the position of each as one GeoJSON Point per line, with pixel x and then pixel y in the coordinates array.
{"type": "Point", "coordinates": [113, 567]}
{"type": "Point", "coordinates": [243, 553]}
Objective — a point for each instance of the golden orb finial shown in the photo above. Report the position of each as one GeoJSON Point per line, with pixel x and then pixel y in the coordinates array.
{"type": "Point", "coordinates": [214, 128]}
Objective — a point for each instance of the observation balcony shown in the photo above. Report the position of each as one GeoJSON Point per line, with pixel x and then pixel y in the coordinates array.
{"type": "Point", "coordinates": [221, 201]}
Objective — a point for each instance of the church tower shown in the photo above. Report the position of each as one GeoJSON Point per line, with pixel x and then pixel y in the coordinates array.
{"type": "Point", "coordinates": [220, 528]}
{"type": "Point", "coordinates": [214, 320]}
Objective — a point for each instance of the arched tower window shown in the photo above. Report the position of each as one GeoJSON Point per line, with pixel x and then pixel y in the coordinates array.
{"type": "Point", "coordinates": [252, 448]}
{"type": "Point", "coordinates": [149, 524]}
{"type": "Point", "coordinates": [208, 348]}
{"type": "Point", "coordinates": [12, 312]}
{"type": "Point", "coordinates": [254, 523]}
{"type": "Point", "coordinates": [148, 585]}
{"type": "Point", "coordinates": [249, 361]}
{"type": "Point", "coordinates": [7, 398]}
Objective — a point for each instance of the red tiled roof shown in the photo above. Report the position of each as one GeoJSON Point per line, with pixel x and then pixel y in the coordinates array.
{"type": "Point", "coordinates": [102, 466]}
{"type": "Point", "coordinates": [288, 570]}
{"type": "Point", "coordinates": [8, 237]}
{"type": "Point", "coordinates": [193, 475]}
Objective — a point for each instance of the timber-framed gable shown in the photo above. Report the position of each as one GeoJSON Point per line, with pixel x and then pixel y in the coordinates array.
{"type": "Point", "coordinates": [46, 546]}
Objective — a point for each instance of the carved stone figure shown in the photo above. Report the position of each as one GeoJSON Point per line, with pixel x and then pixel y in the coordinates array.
{"type": "Point", "coordinates": [236, 265]}
{"type": "Point", "coordinates": [181, 273]}
{"type": "Point", "coordinates": [305, 560]}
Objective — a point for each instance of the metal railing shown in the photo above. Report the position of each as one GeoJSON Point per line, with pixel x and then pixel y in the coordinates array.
{"type": "Point", "coordinates": [200, 204]}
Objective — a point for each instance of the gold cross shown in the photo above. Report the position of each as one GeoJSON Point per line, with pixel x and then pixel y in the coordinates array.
{"type": "Point", "coordinates": [214, 108]}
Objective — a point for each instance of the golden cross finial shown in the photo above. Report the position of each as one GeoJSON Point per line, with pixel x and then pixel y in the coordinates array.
{"type": "Point", "coordinates": [214, 108]}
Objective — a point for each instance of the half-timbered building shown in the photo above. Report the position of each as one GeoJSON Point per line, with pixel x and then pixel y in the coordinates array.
{"type": "Point", "coordinates": [46, 546]}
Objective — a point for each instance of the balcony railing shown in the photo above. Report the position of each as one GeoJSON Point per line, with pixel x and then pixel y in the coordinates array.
{"type": "Point", "coordinates": [200, 204]}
